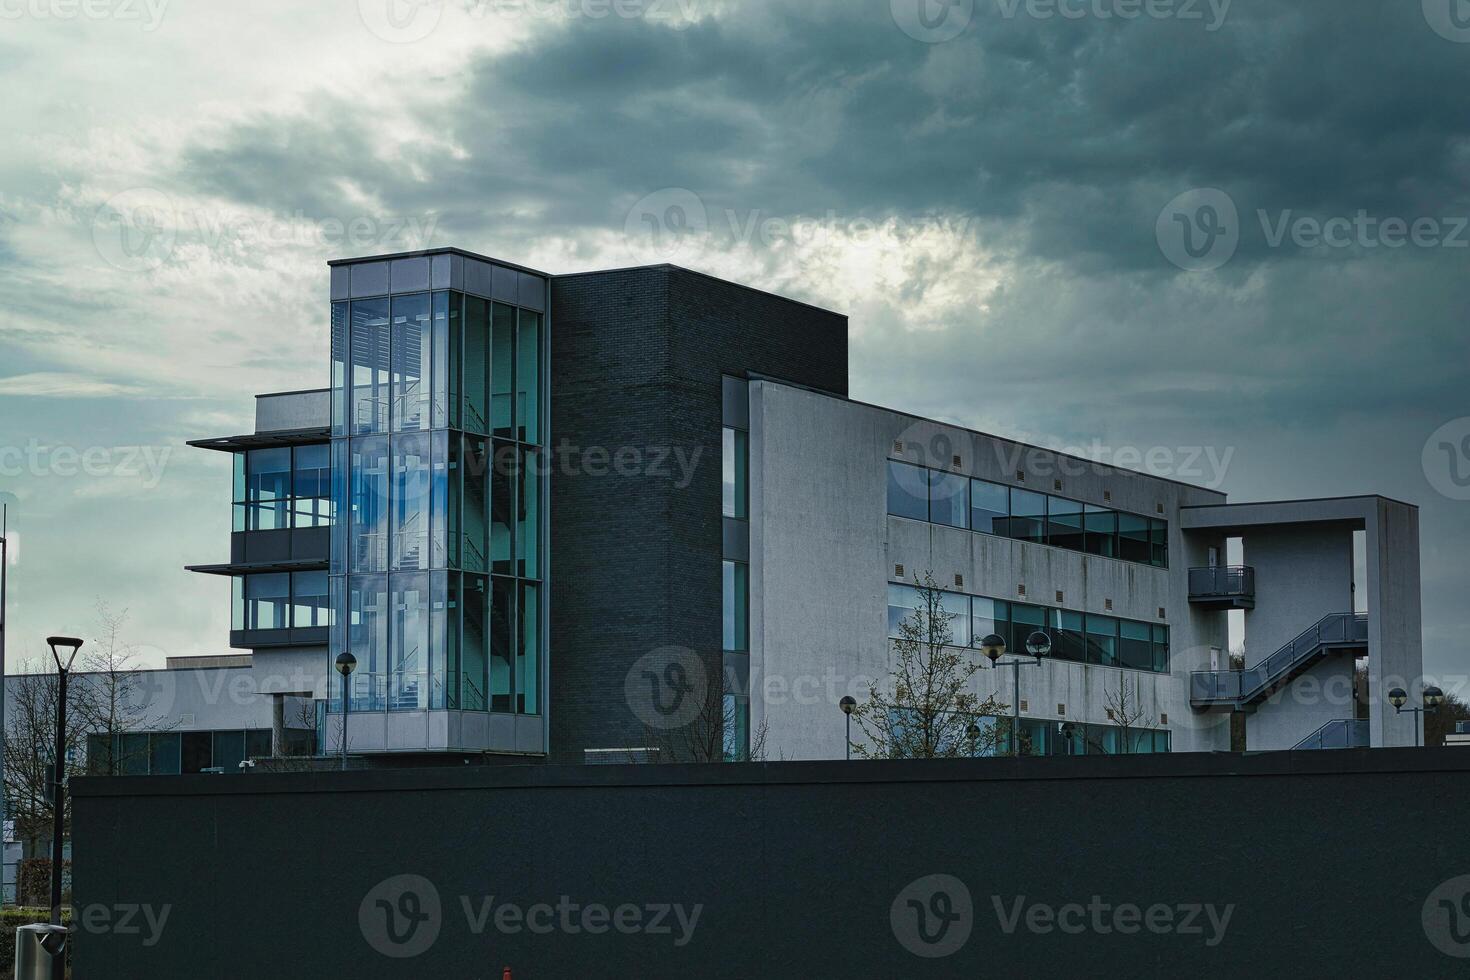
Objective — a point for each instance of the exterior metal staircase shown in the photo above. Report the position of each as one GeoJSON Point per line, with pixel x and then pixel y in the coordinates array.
{"type": "Point", "coordinates": [1240, 689]}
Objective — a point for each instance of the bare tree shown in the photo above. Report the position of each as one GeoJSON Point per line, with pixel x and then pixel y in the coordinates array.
{"type": "Point", "coordinates": [30, 752]}
{"type": "Point", "coordinates": [1125, 709]}
{"type": "Point", "coordinates": [926, 709]}
{"type": "Point", "coordinates": [112, 699]}
{"type": "Point", "coordinates": [704, 737]}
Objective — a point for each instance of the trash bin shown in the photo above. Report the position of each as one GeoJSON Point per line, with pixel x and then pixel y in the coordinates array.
{"type": "Point", "coordinates": [35, 947]}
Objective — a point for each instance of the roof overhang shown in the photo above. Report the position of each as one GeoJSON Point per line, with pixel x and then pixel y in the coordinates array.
{"type": "Point", "coordinates": [266, 440]}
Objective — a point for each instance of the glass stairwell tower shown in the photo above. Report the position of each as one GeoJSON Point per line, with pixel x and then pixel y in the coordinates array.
{"type": "Point", "coordinates": [438, 552]}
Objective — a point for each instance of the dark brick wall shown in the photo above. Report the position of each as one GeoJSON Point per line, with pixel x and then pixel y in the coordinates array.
{"type": "Point", "coordinates": [637, 357]}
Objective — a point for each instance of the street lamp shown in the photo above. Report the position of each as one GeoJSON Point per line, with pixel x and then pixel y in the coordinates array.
{"type": "Point", "coordinates": [346, 664]}
{"type": "Point", "coordinates": [973, 734]}
{"type": "Point", "coordinates": [847, 704]}
{"type": "Point", "coordinates": [1433, 698]}
{"type": "Point", "coordinates": [61, 647]}
{"type": "Point", "coordinates": [1038, 645]}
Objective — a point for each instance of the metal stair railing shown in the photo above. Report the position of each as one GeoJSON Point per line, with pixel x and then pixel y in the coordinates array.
{"type": "Point", "coordinates": [1243, 686]}
{"type": "Point", "coordinates": [1340, 733]}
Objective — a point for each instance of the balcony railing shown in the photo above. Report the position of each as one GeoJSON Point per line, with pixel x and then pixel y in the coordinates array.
{"type": "Point", "coordinates": [1343, 733]}
{"type": "Point", "coordinates": [1229, 584]}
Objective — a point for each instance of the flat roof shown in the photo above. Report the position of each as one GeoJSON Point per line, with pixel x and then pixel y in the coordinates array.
{"type": "Point", "coordinates": [446, 250]}
{"type": "Point", "coordinates": [265, 440]}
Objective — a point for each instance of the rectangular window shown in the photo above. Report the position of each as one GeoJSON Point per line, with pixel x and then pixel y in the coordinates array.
{"type": "Point", "coordinates": [413, 352]}
{"type": "Point", "coordinates": [229, 750]}
{"type": "Point", "coordinates": [258, 743]}
{"type": "Point", "coordinates": [957, 609]}
{"type": "Point", "coordinates": [1102, 531]}
{"type": "Point", "coordinates": [1064, 523]}
{"type": "Point", "coordinates": [528, 377]}
{"type": "Point", "coordinates": [340, 389]}
{"type": "Point", "coordinates": [1102, 640]}
{"type": "Point", "coordinates": [1135, 646]}
{"type": "Point", "coordinates": [477, 366]}
{"type": "Point", "coordinates": [1028, 516]}
{"type": "Point", "coordinates": [528, 514]}
{"type": "Point", "coordinates": [736, 728]}
{"type": "Point", "coordinates": [439, 383]}
{"type": "Point", "coordinates": [267, 601]}
{"type": "Point", "coordinates": [475, 537]}
{"type": "Point", "coordinates": [268, 489]}
{"type": "Point", "coordinates": [908, 491]}
{"type": "Point", "coordinates": [990, 507]}
{"type": "Point", "coordinates": [1133, 538]}
{"type": "Point", "coordinates": [1069, 642]}
{"type": "Point", "coordinates": [309, 599]}
{"type": "Point", "coordinates": [439, 639]}
{"type": "Point", "coordinates": [502, 611]}
{"type": "Point", "coordinates": [949, 499]}
{"type": "Point", "coordinates": [1158, 532]}
{"type": "Point", "coordinates": [502, 507]}
{"type": "Point", "coordinates": [163, 754]}
{"type": "Point", "coordinates": [1025, 620]}
{"type": "Point", "coordinates": [502, 370]}
{"type": "Point", "coordinates": [368, 629]}
{"type": "Point", "coordinates": [368, 407]}
{"type": "Point", "coordinates": [903, 600]}
{"type": "Point", "coordinates": [368, 502]}
{"type": "Point", "coordinates": [196, 751]}
{"type": "Point", "coordinates": [528, 652]}
{"type": "Point", "coordinates": [736, 592]}
{"type": "Point", "coordinates": [411, 470]}
{"type": "Point", "coordinates": [736, 479]}
{"type": "Point", "coordinates": [988, 616]}
{"type": "Point", "coordinates": [474, 684]}
{"type": "Point", "coordinates": [408, 676]}
{"type": "Point", "coordinates": [311, 486]}
{"type": "Point", "coordinates": [1161, 649]}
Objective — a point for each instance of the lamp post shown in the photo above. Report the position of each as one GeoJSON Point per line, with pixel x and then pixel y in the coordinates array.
{"type": "Point", "coordinates": [847, 704]}
{"type": "Point", "coordinates": [346, 664]}
{"type": "Point", "coordinates": [4, 575]}
{"type": "Point", "coordinates": [66, 646]}
{"type": "Point", "coordinates": [1433, 698]}
{"type": "Point", "coordinates": [1038, 644]}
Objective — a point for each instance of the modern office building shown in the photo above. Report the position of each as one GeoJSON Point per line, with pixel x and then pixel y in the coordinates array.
{"type": "Point", "coordinates": [560, 517]}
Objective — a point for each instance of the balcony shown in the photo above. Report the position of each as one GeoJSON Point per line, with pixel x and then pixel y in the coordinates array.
{"type": "Point", "coordinates": [1223, 587]}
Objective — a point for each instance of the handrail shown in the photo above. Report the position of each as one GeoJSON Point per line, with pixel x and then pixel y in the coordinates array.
{"type": "Point", "coordinates": [1354, 735]}
{"type": "Point", "coordinates": [1245, 685]}
{"type": "Point", "coordinates": [1222, 580]}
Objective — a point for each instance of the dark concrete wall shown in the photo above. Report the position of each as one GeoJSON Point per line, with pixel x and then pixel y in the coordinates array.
{"type": "Point", "coordinates": [637, 357]}
{"type": "Point", "coordinates": [1327, 860]}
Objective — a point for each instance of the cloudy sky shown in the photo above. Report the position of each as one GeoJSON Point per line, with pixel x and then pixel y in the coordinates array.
{"type": "Point", "coordinates": [1107, 225]}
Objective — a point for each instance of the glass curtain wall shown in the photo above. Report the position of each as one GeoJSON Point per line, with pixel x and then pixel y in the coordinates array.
{"type": "Point", "coordinates": [438, 475]}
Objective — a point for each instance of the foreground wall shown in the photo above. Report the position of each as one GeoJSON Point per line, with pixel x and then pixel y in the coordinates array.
{"type": "Point", "coordinates": [1318, 864]}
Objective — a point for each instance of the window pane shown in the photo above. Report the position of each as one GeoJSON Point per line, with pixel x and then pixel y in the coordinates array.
{"type": "Point", "coordinates": [267, 601]}
{"type": "Point", "coordinates": [1025, 620]}
{"type": "Point", "coordinates": [957, 608]}
{"type": "Point", "coordinates": [311, 486]}
{"type": "Point", "coordinates": [413, 348]}
{"type": "Point", "coordinates": [988, 616]}
{"type": "Point", "coordinates": [258, 743]}
{"type": "Point", "coordinates": [902, 601]}
{"type": "Point", "coordinates": [1102, 640]}
{"type": "Point", "coordinates": [1135, 646]}
{"type": "Point", "coordinates": [410, 502]}
{"type": "Point", "coordinates": [949, 499]}
{"type": "Point", "coordinates": [163, 754]}
{"type": "Point", "coordinates": [1102, 531]}
{"type": "Point", "coordinates": [735, 451]}
{"type": "Point", "coordinates": [229, 750]}
{"type": "Point", "coordinates": [454, 616]}
{"type": "Point", "coordinates": [438, 637]}
{"type": "Point", "coordinates": [475, 539]}
{"type": "Point", "coordinates": [474, 684]}
{"type": "Point", "coordinates": [908, 491]}
{"type": "Point", "coordinates": [528, 377]}
{"type": "Point", "coordinates": [308, 599]}
{"type": "Point", "coordinates": [368, 496]}
{"type": "Point", "coordinates": [502, 365]}
{"type": "Point", "coordinates": [408, 675]}
{"type": "Point", "coordinates": [340, 390]}
{"type": "Point", "coordinates": [735, 594]}
{"type": "Point", "coordinates": [501, 612]}
{"type": "Point", "coordinates": [1028, 516]}
{"type": "Point", "coordinates": [502, 507]}
{"type": "Point", "coordinates": [1161, 648]}
{"type": "Point", "coordinates": [528, 653]}
{"type": "Point", "coordinates": [197, 752]}
{"type": "Point", "coordinates": [237, 602]}
{"type": "Point", "coordinates": [736, 731]}
{"type": "Point", "coordinates": [1068, 639]}
{"type": "Point", "coordinates": [267, 489]}
{"type": "Point", "coordinates": [439, 379]}
{"type": "Point", "coordinates": [476, 364]}
{"type": "Point", "coordinates": [1064, 523]}
{"type": "Point", "coordinates": [990, 507]}
{"type": "Point", "coordinates": [367, 625]}
{"type": "Point", "coordinates": [368, 411]}
{"type": "Point", "coordinates": [1159, 539]}
{"type": "Point", "coordinates": [528, 515]}
{"type": "Point", "coordinates": [1133, 538]}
